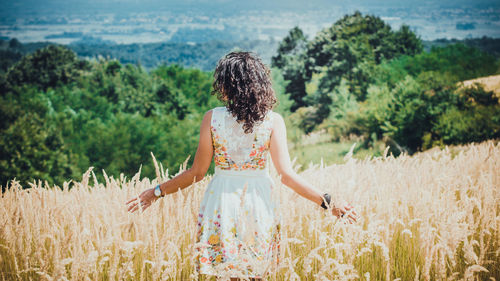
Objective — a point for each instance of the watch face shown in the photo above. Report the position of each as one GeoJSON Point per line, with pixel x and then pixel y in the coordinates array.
{"type": "Point", "coordinates": [157, 192]}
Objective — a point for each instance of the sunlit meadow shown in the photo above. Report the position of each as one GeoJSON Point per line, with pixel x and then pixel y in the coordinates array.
{"type": "Point", "coordinates": [430, 216]}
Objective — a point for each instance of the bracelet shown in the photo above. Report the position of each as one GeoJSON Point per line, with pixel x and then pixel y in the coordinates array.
{"type": "Point", "coordinates": [328, 199]}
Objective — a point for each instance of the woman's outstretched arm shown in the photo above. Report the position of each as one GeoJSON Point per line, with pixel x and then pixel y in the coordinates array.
{"type": "Point", "coordinates": [281, 160]}
{"type": "Point", "coordinates": [196, 173]}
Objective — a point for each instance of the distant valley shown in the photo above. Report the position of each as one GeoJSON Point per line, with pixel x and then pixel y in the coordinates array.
{"type": "Point", "coordinates": [203, 56]}
{"type": "Point", "coordinates": [151, 21]}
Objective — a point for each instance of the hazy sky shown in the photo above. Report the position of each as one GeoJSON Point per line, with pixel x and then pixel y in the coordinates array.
{"type": "Point", "coordinates": [42, 5]}
{"type": "Point", "coordinates": [16, 13]}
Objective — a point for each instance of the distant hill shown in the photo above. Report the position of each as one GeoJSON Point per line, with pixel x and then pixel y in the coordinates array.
{"type": "Point", "coordinates": [203, 56]}
{"type": "Point", "coordinates": [486, 44]}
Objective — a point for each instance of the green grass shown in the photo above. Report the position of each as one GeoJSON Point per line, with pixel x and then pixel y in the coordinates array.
{"type": "Point", "coordinates": [330, 152]}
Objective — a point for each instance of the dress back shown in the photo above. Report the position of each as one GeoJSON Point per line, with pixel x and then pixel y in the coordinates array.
{"type": "Point", "coordinates": [233, 148]}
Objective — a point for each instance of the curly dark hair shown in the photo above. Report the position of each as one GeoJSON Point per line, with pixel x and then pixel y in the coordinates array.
{"type": "Point", "coordinates": [243, 83]}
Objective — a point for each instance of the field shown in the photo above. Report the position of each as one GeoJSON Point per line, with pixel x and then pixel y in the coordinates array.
{"type": "Point", "coordinates": [431, 216]}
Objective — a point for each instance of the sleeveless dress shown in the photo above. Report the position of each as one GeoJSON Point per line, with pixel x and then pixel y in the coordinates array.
{"type": "Point", "coordinates": [238, 230]}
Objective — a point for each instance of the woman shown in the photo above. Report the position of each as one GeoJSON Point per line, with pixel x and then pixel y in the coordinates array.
{"type": "Point", "coordinates": [238, 224]}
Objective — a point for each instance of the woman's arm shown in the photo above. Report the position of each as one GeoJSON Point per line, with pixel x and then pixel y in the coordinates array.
{"type": "Point", "coordinates": [281, 160]}
{"type": "Point", "coordinates": [196, 173]}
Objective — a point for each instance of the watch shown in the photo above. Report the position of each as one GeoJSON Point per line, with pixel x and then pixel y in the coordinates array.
{"type": "Point", "coordinates": [158, 191]}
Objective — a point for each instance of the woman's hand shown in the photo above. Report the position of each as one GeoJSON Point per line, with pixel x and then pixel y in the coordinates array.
{"type": "Point", "coordinates": [344, 210]}
{"type": "Point", "coordinates": [144, 200]}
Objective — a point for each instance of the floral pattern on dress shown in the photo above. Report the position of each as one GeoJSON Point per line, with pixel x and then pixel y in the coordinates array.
{"type": "Point", "coordinates": [215, 244]}
{"type": "Point", "coordinates": [235, 251]}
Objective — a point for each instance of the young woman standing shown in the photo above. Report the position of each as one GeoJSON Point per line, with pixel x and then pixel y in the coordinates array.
{"type": "Point", "coordinates": [238, 222]}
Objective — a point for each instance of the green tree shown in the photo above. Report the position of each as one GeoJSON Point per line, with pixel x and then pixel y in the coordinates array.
{"type": "Point", "coordinates": [31, 145]}
{"type": "Point", "coordinates": [407, 41]}
{"type": "Point", "coordinates": [108, 116]}
{"type": "Point", "coordinates": [290, 59]}
{"type": "Point", "coordinates": [428, 110]}
{"type": "Point", "coordinates": [46, 68]}
{"type": "Point", "coordinates": [475, 118]}
{"type": "Point", "coordinates": [458, 61]}
{"type": "Point", "coordinates": [349, 50]}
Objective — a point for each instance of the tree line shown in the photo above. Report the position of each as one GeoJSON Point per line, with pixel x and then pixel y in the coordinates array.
{"type": "Point", "coordinates": [202, 55]}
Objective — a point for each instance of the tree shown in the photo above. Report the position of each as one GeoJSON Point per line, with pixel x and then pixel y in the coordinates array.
{"type": "Point", "coordinates": [290, 59]}
{"type": "Point", "coordinates": [347, 51]}
{"type": "Point", "coordinates": [31, 145]}
{"type": "Point", "coordinates": [350, 48]}
{"type": "Point", "coordinates": [475, 118]}
{"type": "Point", "coordinates": [47, 67]}
{"type": "Point", "coordinates": [407, 41]}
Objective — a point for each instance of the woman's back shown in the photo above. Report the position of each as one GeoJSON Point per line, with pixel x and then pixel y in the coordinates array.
{"type": "Point", "coordinates": [236, 150]}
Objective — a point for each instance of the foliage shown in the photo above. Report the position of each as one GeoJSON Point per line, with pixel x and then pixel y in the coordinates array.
{"type": "Point", "coordinates": [486, 44]}
{"type": "Point", "coordinates": [476, 118]}
{"type": "Point", "coordinates": [61, 115]}
{"type": "Point", "coordinates": [348, 50]}
{"type": "Point", "coordinates": [427, 110]}
{"type": "Point", "coordinates": [355, 79]}
{"type": "Point", "coordinates": [290, 59]}
{"type": "Point", "coordinates": [358, 77]}
{"type": "Point", "coordinates": [284, 103]}
{"type": "Point", "coordinates": [31, 145]}
{"type": "Point", "coordinates": [458, 61]}
{"type": "Point", "coordinates": [46, 68]}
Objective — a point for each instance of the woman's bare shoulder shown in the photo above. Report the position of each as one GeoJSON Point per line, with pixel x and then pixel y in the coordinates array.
{"type": "Point", "coordinates": [207, 117]}
{"type": "Point", "coordinates": [276, 117]}
{"type": "Point", "coordinates": [278, 123]}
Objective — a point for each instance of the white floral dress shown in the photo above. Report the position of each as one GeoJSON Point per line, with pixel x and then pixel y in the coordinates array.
{"type": "Point", "coordinates": [238, 225]}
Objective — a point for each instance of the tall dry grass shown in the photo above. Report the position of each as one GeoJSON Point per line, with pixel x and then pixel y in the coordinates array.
{"type": "Point", "coordinates": [432, 216]}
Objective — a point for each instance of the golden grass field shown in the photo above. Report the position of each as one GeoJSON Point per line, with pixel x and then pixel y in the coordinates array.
{"type": "Point", "coordinates": [431, 216]}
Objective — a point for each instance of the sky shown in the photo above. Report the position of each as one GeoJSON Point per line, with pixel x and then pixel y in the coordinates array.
{"type": "Point", "coordinates": [20, 5]}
